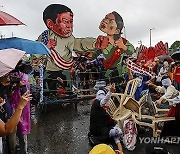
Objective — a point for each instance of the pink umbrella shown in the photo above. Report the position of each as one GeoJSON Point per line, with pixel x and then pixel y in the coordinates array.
{"type": "Point", "coordinates": [7, 19]}
{"type": "Point", "coordinates": [8, 60]}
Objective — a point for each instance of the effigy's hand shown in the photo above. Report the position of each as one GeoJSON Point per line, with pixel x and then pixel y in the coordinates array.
{"type": "Point", "coordinates": [102, 42]}
{"type": "Point", "coordinates": [51, 44]}
{"type": "Point", "coordinates": [119, 43]}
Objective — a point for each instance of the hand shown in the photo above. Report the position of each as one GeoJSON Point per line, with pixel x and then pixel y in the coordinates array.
{"type": "Point", "coordinates": [119, 43]}
{"type": "Point", "coordinates": [112, 87]}
{"type": "Point", "coordinates": [148, 83]}
{"type": "Point", "coordinates": [102, 42]}
{"type": "Point", "coordinates": [119, 152]}
{"type": "Point", "coordinates": [51, 44]}
{"type": "Point", "coordinates": [2, 101]}
{"type": "Point", "coordinates": [158, 102]}
{"type": "Point", "coordinates": [24, 99]}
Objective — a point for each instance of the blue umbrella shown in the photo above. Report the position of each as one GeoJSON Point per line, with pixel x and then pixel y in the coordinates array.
{"type": "Point", "coordinates": [29, 46]}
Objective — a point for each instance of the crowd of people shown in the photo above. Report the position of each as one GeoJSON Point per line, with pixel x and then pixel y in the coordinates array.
{"type": "Point", "coordinates": [113, 69]}
{"type": "Point", "coordinates": [165, 90]}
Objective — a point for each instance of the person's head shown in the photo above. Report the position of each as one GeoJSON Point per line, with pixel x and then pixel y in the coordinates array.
{"type": "Point", "coordinates": [165, 64]}
{"type": "Point", "coordinates": [156, 60]}
{"type": "Point", "coordinates": [59, 19]}
{"type": "Point", "coordinates": [166, 81]}
{"type": "Point", "coordinates": [101, 94]}
{"type": "Point", "coordinates": [5, 80]}
{"type": "Point", "coordinates": [102, 149]}
{"type": "Point", "coordinates": [112, 24]}
{"type": "Point", "coordinates": [4, 86]}
{"type": "Point", "coordinates": [115, 131]}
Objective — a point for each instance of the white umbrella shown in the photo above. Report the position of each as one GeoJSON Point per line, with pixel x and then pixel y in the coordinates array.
{"type": "Point", "coordinates": [8, 60]}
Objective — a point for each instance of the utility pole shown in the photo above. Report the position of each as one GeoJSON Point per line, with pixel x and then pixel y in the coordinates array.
{"type": "Point", "coordinates": [150, 34]}
{"type": "Point", "coordinates": [140, 42]}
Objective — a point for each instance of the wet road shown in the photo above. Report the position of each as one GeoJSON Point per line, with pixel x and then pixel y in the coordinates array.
{"type": "Point", "coordinates": [62, 130]}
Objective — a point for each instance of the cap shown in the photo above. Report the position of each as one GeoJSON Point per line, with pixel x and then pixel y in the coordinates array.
{"type": "Point", "coordinates": [100, 94]}
{"type": "Point", "coordinates": [102, 149]}
{"type": "Point", "coordinates": [99, 85]}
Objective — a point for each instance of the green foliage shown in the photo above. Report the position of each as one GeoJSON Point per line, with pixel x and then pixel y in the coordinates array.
{"type": "Point", "coordinates": [175, 46]}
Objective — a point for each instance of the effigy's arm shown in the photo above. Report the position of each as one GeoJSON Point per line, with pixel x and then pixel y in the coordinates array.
{"type": "Point", "coordinates": [84, 44]}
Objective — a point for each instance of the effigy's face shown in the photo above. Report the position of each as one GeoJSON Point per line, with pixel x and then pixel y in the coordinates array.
{"type": "Point", "coordinates": [108, 24]}
{"type": "Point", "coordinates": [64, 24]}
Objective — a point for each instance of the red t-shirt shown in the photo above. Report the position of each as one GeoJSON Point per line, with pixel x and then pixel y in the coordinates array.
{"type": "Point", "coordinates": [177, 74]}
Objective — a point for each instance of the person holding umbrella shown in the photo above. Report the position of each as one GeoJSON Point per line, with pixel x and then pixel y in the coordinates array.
{"type": "Point", "coordinates": [8, 61]}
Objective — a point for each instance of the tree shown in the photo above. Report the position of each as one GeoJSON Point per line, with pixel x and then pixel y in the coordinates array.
{"type": "Point", "coordinates": [175, 46]}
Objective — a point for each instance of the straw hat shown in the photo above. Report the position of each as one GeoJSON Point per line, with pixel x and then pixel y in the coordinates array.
{"type": "Point", "coordinates": [102, 149]}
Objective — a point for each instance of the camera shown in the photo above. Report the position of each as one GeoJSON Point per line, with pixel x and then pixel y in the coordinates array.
{"type": "Point", "coordinates": [24, 67]}
{"type": "Point", "coordinates": [14, 80]}
{"type": "Point", "coordinates": [23, 89]}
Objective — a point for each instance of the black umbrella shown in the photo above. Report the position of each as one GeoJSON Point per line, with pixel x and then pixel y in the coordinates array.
{"type": "Point", "coordinates": [176, 55]}
{"type": "Point", "coordinates": [165, 57]}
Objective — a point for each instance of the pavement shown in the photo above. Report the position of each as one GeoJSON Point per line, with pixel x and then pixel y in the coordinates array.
{"type": "Point", "coordinates": [63, 130]}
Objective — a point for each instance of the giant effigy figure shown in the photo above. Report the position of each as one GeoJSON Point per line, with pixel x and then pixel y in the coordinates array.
{"type": "Point", "coordinates": [59, 39]}
{"type": "Point", "coordinates": [118, 46]}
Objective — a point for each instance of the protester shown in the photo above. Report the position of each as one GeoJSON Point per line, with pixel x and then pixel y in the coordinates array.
{"type": "Point", "coordinates": [24, 125]}
{"type": "Point", "coordinates": [164, 71]}
{"type": "Point", "coordinates": [170, 128]}
{"type": "Point", "coordinates": [176, 74]}
{"type": "Point", "coordinates": [102, 127]}
{"type": "Point", "coordinates": [8, 127]}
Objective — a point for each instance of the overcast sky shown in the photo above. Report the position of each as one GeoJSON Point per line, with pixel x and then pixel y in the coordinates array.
{"type": "Point", "coordinates": [139, 17]}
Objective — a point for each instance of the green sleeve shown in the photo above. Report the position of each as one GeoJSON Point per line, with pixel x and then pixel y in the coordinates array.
{"type": "Point", "coordinates": [84, 44]}
{"type": "Point", "coordinates": [130, 48]}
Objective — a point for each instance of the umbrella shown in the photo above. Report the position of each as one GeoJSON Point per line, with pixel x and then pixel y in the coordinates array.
{"type": "Point", "coordinates": [8, 60]}
{"type": "Point", "coordinates": [176, 55]}
{"type": "Point", "coordinates": [29, 46]}
{"type": "Point", "coordinates": [7, 19]}
{"type": "Point", "coordinates": [165, 57]}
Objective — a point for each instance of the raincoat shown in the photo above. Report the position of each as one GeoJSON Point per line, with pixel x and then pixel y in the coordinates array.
{"type": "Point", "coordinates": [24, 125]}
